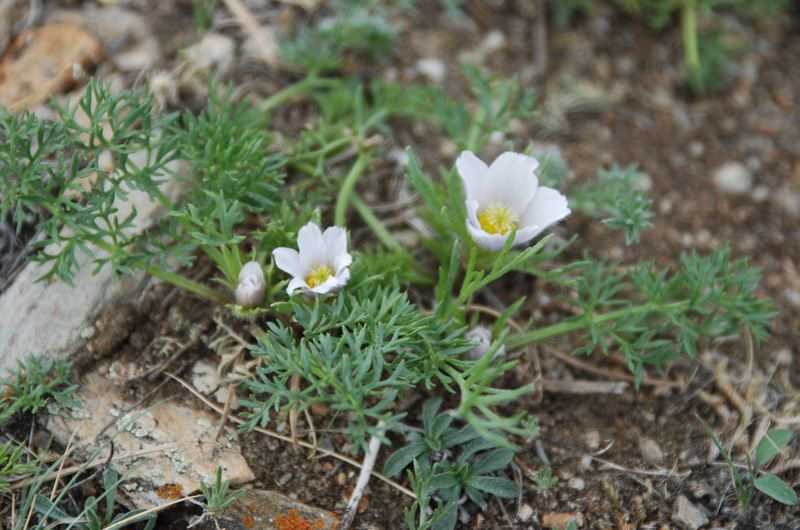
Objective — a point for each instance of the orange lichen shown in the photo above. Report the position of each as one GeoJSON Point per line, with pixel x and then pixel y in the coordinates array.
{"type": "Point", "coordinates": [171, 492]}
{"type": "Point", "coordinates": [249, 522]}
{"type": "Point", "coordinates": [293, 521]}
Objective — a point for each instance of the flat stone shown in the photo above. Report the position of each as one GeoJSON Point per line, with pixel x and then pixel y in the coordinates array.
{"type": "Point", "coordinates": [432, 68]}
{"type": "Point", "coordinates": [525, 513]}
{"type": "Point", "coordinates": [733, 178]}
{"type": "Point", "coordinates": [651, 451]}
{"type": "Point", "coordinates": [268, 510]}
{"type": "Point", "coordinates": [688, 515]}
{"type": "Point", "coordinates": [174, 443]}
{"type": "Point", "coordinates": [55, 319]}
{"type": "Point", "coordinates": [44, 61]}
{"type": "Point", "coordinates": [561, 520]}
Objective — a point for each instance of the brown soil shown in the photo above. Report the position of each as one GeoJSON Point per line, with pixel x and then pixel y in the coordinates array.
{"type": "Point", "coordinates": [600, 446]}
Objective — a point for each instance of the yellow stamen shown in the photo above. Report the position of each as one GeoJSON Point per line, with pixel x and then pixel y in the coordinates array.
{"type": "Point", "coordinates": [498, 219]}
{"type": "Point", "coordinates": [319, 275]}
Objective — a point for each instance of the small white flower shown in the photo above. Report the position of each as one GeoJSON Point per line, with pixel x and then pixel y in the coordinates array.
{"type": "Point", "coordinates": [250, 291]}
{"type": "Point", "coordinates": [482, 338]}
{"type": "Point", "coordinates": [321, 264]}
{"type": "Point", "coordinates": [507, 195]}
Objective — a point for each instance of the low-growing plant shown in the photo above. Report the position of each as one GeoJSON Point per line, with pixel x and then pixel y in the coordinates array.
{"type": "Point", "coordinates": [357, 323]}
{"type": "Point", "coordinates": [705, 57]}
{"type": "Point", "coordinates": [770, 445]}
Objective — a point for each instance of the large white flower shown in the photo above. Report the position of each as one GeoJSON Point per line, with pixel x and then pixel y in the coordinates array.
{"type": "Point", "coordinates": [250, 291]}
{"type": "Point", "coordinates": [321, 264]}
{"type": "Point", "coordinates": [507, 195]}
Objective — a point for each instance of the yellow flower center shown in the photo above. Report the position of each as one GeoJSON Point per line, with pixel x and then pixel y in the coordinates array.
{"type": "Point", "coordinates": [319, 275]}
{"type": "Point", "coordinates": [498, 219]}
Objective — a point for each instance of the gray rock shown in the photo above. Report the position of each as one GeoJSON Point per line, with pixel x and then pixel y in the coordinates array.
{"type": "Point", "coordinates": [733, 178]}
{"type": "Point", "coordinates": [688, 515]}
{"type": "Point", "coordinates": [177, 438]}
{"type": "Point", "coordinates": [267, 510]}
{"type": "Point", "coordinates": [433, 69]}
{"type": "Point", "coordinates": [651, 451]}
{"type": "Point", "coordinates": [56, 319]}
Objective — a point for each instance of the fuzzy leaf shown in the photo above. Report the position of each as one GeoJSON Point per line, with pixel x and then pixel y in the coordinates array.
{"type": "Point", "coordinates": [499, 487]}
{"type": "Point", "coordinates": [776, 488]}
{"type": "Point", "coordinates": [771, 444]}
{"type": "Point", "coordinates": [402, 458]}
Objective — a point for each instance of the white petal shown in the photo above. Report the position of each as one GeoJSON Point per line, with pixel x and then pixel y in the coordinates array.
{"type": "Point", "coordinates": [498, 241]}
{"type": "Point", "coordinates": [251, 268]}
{"type": "Point", "coordinates": [343, 276]}
{"type": "Point", "coordinates": [250, 294]}
{"type": "Point", "coordinates": [485, 239]}
{"type": "Point", "coordinates": [335, 242]}
{"type": "Point", "coordinates": [341, 262]}
{"type": "Point", "coordinates": [331, 284]}
{"type": "Point", "coordinates": [547, 207]}
{"type": "Point", "coordinates": [472, 171]}
{"type": "Point", "coordinates": [510, 181]}
{"type": "Point", "coordinates": [288, 260]}
{"type": "Point", "coordinates": [472, 214]}
{"type": "Point", "coordinates": [313, 250]}
{"type": "Point", "coordinates": [297, 282]}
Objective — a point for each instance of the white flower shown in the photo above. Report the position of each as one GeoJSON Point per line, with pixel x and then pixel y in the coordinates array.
{"type": "Point", "coordinates": [250, 291]}
{"type": "Point", "coordinates": [507, 195]}
{"type": "Point", "coordinates": [482, 338]}
{"type": "Point", "coordinates": [321, 264]}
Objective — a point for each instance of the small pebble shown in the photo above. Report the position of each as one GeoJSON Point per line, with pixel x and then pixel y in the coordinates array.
{"type": "Point", "coordinates": [688, 515]}
{"type": "Point", "coordinates": [733, 178]}
{"type": "Point", "coordinates": [525, 513]}
{"type": "Point", "coordinates": [651, 451]}
{"type": "Point", "coordinates": [576, 483]}
{"type": "Point", "coordinates": [433, 69]}
{"type": "Point", "coordinates": [592, 440]}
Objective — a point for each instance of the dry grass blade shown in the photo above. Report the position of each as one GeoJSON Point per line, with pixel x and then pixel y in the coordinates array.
{"type": "Point", "coordinates": [302, 443]}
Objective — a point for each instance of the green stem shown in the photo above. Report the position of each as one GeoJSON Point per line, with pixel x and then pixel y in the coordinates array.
{"type": "Point", "coordinates": [475, 131]}
{"type": "Point", "coordinates": [348, 185]}
{"type": "Point", "coordinates": [331, 146]}
{"type": "Point", "coordinates": [177, 280]}
{"type": "Point", "coordinates": [374, 223]}
{"type": "Point", "coordinates": [523, 339]}
{"type": "Point", "coordinates": [292, 90]}
{"type": "Point", "coordinates": [689, 28]}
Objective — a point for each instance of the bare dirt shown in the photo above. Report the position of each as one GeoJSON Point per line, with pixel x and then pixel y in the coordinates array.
{"type": "Point", "coordinates": [622, 460]}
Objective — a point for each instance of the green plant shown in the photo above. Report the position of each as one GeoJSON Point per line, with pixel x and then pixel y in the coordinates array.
{"type": "Point", "coordinates": [545, 479]}
{"type": "Point", "coordinates": [36, 382]}
{"type": "Point", "coordinates": [615, 193]}
{"type": "Point", "coordinates": [769, 446]}
{"type": "Point", "coordinates": [217, 497]}
{"type": "Point", "coordinates": [91, 518]}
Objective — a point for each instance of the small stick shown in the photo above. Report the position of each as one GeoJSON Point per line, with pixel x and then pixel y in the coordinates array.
{"type": "Point", "coordinates": [540, 39]}
{"type": "Point", "coordinates": [228, 400]}
{"type": "Point", "coordinates": [302, 443]}
{"type": "Point", "coordinates": [363, 479]}
{"type": "Point", "coordinates": [583, 387]}
{"type": "Point", "coordinates": [295, 386]}
{"type": "Point", "coordinates": [245, 17]}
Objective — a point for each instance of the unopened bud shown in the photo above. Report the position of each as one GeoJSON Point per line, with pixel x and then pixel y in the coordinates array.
{"type": "Point", "coordinates": [251, 288]}
{"type": "Point", "coordinates": [482, 338]}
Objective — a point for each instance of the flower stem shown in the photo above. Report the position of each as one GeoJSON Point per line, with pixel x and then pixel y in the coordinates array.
{"type": "Point", "coordinates": [374, 223]}
{"type": "Point", "coordinates": [292, 90]}
{"type": "Point", "coordinates": [348, 185]}
{"type": "Point", "coordinates": [475, 131]}
{"type": "Point", "coordinates": [177, 280]}
{"type": "Point", "coordinates": [689, 29]}
{"type": "Point", "coordinates": [519, 340]}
